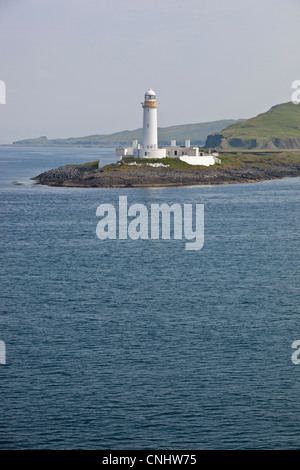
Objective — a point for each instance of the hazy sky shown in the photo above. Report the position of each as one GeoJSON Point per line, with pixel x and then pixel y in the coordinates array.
{"type": "Point", "coordinates": [80, 67]}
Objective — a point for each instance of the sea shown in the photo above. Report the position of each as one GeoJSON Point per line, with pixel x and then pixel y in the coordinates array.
{"type": "Point", "coordinates": [141, 344]}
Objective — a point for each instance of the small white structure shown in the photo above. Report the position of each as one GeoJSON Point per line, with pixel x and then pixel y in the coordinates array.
{"type": "Point", "coordinates": [192, 155]}
{"type": "Point", "coordinates": [149, 148]}
{"type": "Point", "coordinates": [204, 160]}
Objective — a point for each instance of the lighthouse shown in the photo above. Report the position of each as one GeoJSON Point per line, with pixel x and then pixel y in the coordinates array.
{"type": "Point", "coordinates": [149, 147]}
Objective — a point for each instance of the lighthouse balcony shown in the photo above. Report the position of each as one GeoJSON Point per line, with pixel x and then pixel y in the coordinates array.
{"type": "Point", "coordinates": [150, 104]}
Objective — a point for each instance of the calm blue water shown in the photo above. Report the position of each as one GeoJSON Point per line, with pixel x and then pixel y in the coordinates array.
{"type": "Point", "coordinates": [141, 344]}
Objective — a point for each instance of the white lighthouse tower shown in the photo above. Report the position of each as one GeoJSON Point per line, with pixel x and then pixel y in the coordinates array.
{"type": "Point", "coordinates": [150, 120]}
{"type": "Point", "coordinates": [149, 147]}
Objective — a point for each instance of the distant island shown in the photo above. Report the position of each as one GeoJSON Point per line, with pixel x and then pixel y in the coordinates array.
{"type": "Point", "coordinates": [196, 132]}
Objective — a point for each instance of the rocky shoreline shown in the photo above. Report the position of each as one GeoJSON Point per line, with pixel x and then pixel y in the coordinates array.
{"type": "Point", "coordinates": [86, 176]}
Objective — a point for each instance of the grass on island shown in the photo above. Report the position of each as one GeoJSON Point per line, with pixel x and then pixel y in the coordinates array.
{"type": "Point", "coordinates": [229, 160]}
{"type": "Point", "coordinates": [171, 162]}
{"type": "Point", "coordinates": [258, 159]}
{"type": "Point", "coordinates": [89, 165]}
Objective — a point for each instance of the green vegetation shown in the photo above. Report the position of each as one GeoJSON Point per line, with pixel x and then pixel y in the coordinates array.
{"type": "Point", "coordinates": [171, 162]}
{"type": "Point", "coordinates": [229, 160]}
{"type": "Point", "coordinates": [89, 165]}
{"type": "Point", "coordinates": [196, 132]}
{"type": "Point", "coordinates": [257, 159]}
{"type": "Point", "coordinates": [277, 128]}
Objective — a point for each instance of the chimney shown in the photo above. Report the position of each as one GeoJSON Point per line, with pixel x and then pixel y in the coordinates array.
{"type": "Point", "coordinates": [188, 143]}
{"type": "Point", "coordinates": [173, 143]}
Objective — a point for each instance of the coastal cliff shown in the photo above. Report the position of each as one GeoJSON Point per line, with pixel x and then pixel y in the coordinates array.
{"type": "Point", "coordinates": [278, 128]}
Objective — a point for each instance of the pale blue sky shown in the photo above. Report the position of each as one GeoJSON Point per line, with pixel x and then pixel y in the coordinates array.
{"type": "Point", "coordinates": [79, 67]}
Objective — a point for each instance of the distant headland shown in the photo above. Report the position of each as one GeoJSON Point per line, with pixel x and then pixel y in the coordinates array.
{"type": "Point", "coordinates": [277, 128]}
{"type": "Point", "coordinates": [196, 132]}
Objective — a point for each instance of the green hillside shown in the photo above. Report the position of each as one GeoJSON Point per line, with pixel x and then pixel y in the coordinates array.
{"type": "Point", "coordinates": [278, 128]}
{"type": "Point", "coordinates": [196, 132]}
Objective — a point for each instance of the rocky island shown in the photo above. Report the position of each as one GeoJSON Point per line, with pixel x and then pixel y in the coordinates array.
{"type": "Point", "coordinates": [240, 167]}
{"type": "Point", "coordinates": [260, 148]}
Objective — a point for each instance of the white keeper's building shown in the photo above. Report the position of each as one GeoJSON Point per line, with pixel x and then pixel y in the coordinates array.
{"type": "Point", "coordinates": [149, 147]}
